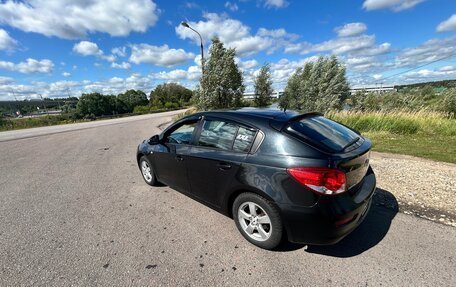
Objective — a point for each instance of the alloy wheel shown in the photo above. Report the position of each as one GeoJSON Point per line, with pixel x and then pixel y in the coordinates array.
{"type": "Point", "coordinates": [255, 222]}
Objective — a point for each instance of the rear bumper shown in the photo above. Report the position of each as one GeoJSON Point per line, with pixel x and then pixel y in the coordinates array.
{"type": "Point", "coordinates": [332, 218]}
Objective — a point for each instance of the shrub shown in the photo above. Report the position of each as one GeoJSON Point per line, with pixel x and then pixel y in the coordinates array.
{"type": "Point", "coordinates": [448, 103]}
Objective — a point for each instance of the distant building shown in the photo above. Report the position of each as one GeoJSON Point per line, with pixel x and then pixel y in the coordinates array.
{"type": "Point", "coordinates": [251, 95]}
{"type": "Point", "coordinates": [376, 90]}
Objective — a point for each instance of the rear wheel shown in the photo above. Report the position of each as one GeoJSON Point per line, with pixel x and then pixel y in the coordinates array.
{"type": "Point", "coordinates": [147, 171]}
{"type": "Point", "coordinates": [258, 220]}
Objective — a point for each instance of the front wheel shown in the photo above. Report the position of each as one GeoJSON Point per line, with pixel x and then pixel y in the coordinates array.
{"type": "Point", "coordinates": [147, 171]}
{"type": "Point", "coordinates": [258, 220]}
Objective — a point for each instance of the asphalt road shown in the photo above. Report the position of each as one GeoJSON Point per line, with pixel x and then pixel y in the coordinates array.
{"type": "Point", "coordinates": [75, 211]}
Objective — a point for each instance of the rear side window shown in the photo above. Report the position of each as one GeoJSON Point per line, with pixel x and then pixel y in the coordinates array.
{"type": "Point", "coordinates": [218, 134]}
{"type": "Point", "coordinates": [324, 132]}
{"type": "Point", "coordinates": [244, 139]}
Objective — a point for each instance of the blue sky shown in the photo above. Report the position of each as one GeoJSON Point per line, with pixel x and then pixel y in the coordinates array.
{"type": "Point", "coordinates": [58, 48]}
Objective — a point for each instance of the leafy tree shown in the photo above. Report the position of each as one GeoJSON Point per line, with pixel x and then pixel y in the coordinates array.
{"type": "Point", "coordinates": [263, 87]}
{"type": "Point", "coordinates": [96, 104]}
{"type": "Point", "coordinates": [171, 93]}
{"type": "Point", "coordinates": [221, 85]}
{"type": "Point", "coordinates": [318, 86]}
{"type": "Point", "coordinates": [129, 100]}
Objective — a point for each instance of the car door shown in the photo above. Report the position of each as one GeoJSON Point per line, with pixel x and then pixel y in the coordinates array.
{"type": "Point", "coordinates": [170, 156]}
{"type": "Point", "coordinates": [219, 150]}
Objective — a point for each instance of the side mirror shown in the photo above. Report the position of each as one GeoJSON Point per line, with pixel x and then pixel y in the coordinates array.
{"type": "Point", "coordinates": [154, 140]}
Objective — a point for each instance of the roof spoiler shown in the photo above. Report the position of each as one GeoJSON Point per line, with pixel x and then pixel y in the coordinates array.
{"type": "Point", "coordinates": [278, 124]}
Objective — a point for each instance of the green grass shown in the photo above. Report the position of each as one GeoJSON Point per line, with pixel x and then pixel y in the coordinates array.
{"type": "Point", "coordinates": [422, 134]}
{"type": "Point", "coordinates": [436, 147]}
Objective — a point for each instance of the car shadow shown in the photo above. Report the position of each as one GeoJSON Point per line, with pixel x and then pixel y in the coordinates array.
{"type": "Point", "coordinates": [373, 229]}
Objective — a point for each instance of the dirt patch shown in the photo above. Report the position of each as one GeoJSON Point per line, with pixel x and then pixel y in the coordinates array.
{"type": "Point", "coordinates": [422, 187]}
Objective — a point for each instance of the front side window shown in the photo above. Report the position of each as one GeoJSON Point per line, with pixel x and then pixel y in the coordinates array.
{"type": "Point", "coordinates": [182, 135]}
{"type": "Point", "coordinates": [218, 134]}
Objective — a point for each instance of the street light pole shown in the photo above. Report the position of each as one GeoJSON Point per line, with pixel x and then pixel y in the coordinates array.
{"type": "Point", "coordinates": [185, 24]}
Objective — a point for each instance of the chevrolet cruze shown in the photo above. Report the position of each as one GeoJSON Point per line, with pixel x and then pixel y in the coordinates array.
{"type": "Point", "coordinates": [278, 174]}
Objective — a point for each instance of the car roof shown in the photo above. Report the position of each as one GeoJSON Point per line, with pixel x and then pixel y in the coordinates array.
{"type": "Point", "coordinates": [260, 113]}
{"type": "Point", "coordinates": [259, 116]}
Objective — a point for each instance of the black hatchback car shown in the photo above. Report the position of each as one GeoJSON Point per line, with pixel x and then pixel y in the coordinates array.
{"type": "Point", "coordinates": [277, 174]}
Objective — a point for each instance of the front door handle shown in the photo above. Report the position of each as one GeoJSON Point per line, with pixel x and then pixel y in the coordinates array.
{"type": "Point", "coordinates": [179, 158]}
{"type": "Point", "coordinates": [223, 166]}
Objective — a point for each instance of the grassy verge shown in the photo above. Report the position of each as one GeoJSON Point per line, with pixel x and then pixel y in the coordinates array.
{"type": "Point", "coordinates": [422, 134]}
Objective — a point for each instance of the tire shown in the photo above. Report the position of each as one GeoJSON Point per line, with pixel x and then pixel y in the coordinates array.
{"type": "Point", "coordinates": [258, 220]}
{"type": "Point", "coordinates": [147, 171]}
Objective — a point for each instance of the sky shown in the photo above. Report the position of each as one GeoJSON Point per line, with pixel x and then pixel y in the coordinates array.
{"type": "Point", "coordinates": [60, 48]}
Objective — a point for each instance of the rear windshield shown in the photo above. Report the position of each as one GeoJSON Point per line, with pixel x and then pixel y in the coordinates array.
{"type": "Point", "coordinates": [324, 132]}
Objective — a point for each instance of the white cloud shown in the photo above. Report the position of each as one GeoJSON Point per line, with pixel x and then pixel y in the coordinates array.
{"type": "Point", "coordinates": [351, 29]}
{"type": "Point", "coordinates": [87, 48]}
{"type": "Point", "coordinates": [191, 5]}
{"type": "Point", "coordinates": [275, 3]}
{"type": "Point", "coordinates": [119, 51]}
{"type": "Point", "coordinates": [395, 5]}
{"type": "Point", "coordinates": [29, 66]}
{"type": "Point", "coordinates": [357, 50]}
{"type": "Point", "coordinates": [447, 68]}
{"type": "Point", "coordinates": [426, 74]}
{"type": "Point", "coordinates": [193, 73]}
{"type": "Point", "coordinates": [123, 65]}
{"type": "Point", "coordinates": [447, 25]}
{"type": "Point", "coordinates": [71, 19]}
{"type": "Point", "coordinates": [431, 50]}
{"type": "Point", "coordinates": [250, 45]}
{"type": "Point", "coordinates": [247, 65]}
{"type": "Point", "coordinates": [234, 34]}
{"type": "Point", "coordinates": [232, 6]}
{"type": "Point", "coordinates": [226, 29]}
{"type": "Point", "coordinates": [66, 74]}
{"type": "Point", "coordinates": [158, 55]}
{"type": "Point", "coordinates": [6, 80]}
{"type": "Point", "coordinates": [6, 42]}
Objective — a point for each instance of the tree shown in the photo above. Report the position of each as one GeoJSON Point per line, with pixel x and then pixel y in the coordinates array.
{"type": "Point", "coordinates": [130, 99]}
{"type": "Point", "coordinates": [318, 86]}
{"type": "Point", "coordinates": [170, 93]}
{"type": "Point", "coordinates": [263, 87]}
{"type": "Point", "coordinates": [96, 104]}
{"type": "Point", "coordinates": [221, 85]}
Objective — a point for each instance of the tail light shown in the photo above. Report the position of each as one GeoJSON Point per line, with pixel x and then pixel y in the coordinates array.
{"type": "Point", "coordinates": [326, 181]}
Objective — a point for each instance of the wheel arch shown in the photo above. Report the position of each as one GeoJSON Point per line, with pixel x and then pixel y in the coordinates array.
{"type": "Point", "coordinates": [236, 192]}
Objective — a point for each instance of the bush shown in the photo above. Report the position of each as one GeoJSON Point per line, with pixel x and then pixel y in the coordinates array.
{"type": "Point", "coordinates": [448, 103]}
{"type": "Point", "coordinates": [141, 109]}
{"type": "Point", "coordinates": [169, 105]}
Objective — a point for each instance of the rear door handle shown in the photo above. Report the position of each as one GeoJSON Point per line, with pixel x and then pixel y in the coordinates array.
{"type": "Point", "coordinates": [179, 158]}
{"type": "Point", "coordinates": [223, 166]}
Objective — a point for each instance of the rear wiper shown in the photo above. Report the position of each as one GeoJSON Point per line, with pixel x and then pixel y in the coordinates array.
{"type": "Point", "coordinates": [352, 142]}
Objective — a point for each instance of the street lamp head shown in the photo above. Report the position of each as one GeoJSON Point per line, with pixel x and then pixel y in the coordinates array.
{"type": "Point", "coordinates": [185, 24]}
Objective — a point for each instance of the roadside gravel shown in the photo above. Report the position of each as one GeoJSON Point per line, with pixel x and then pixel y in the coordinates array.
{"type": "Point", "coordinates": [422, 187]}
